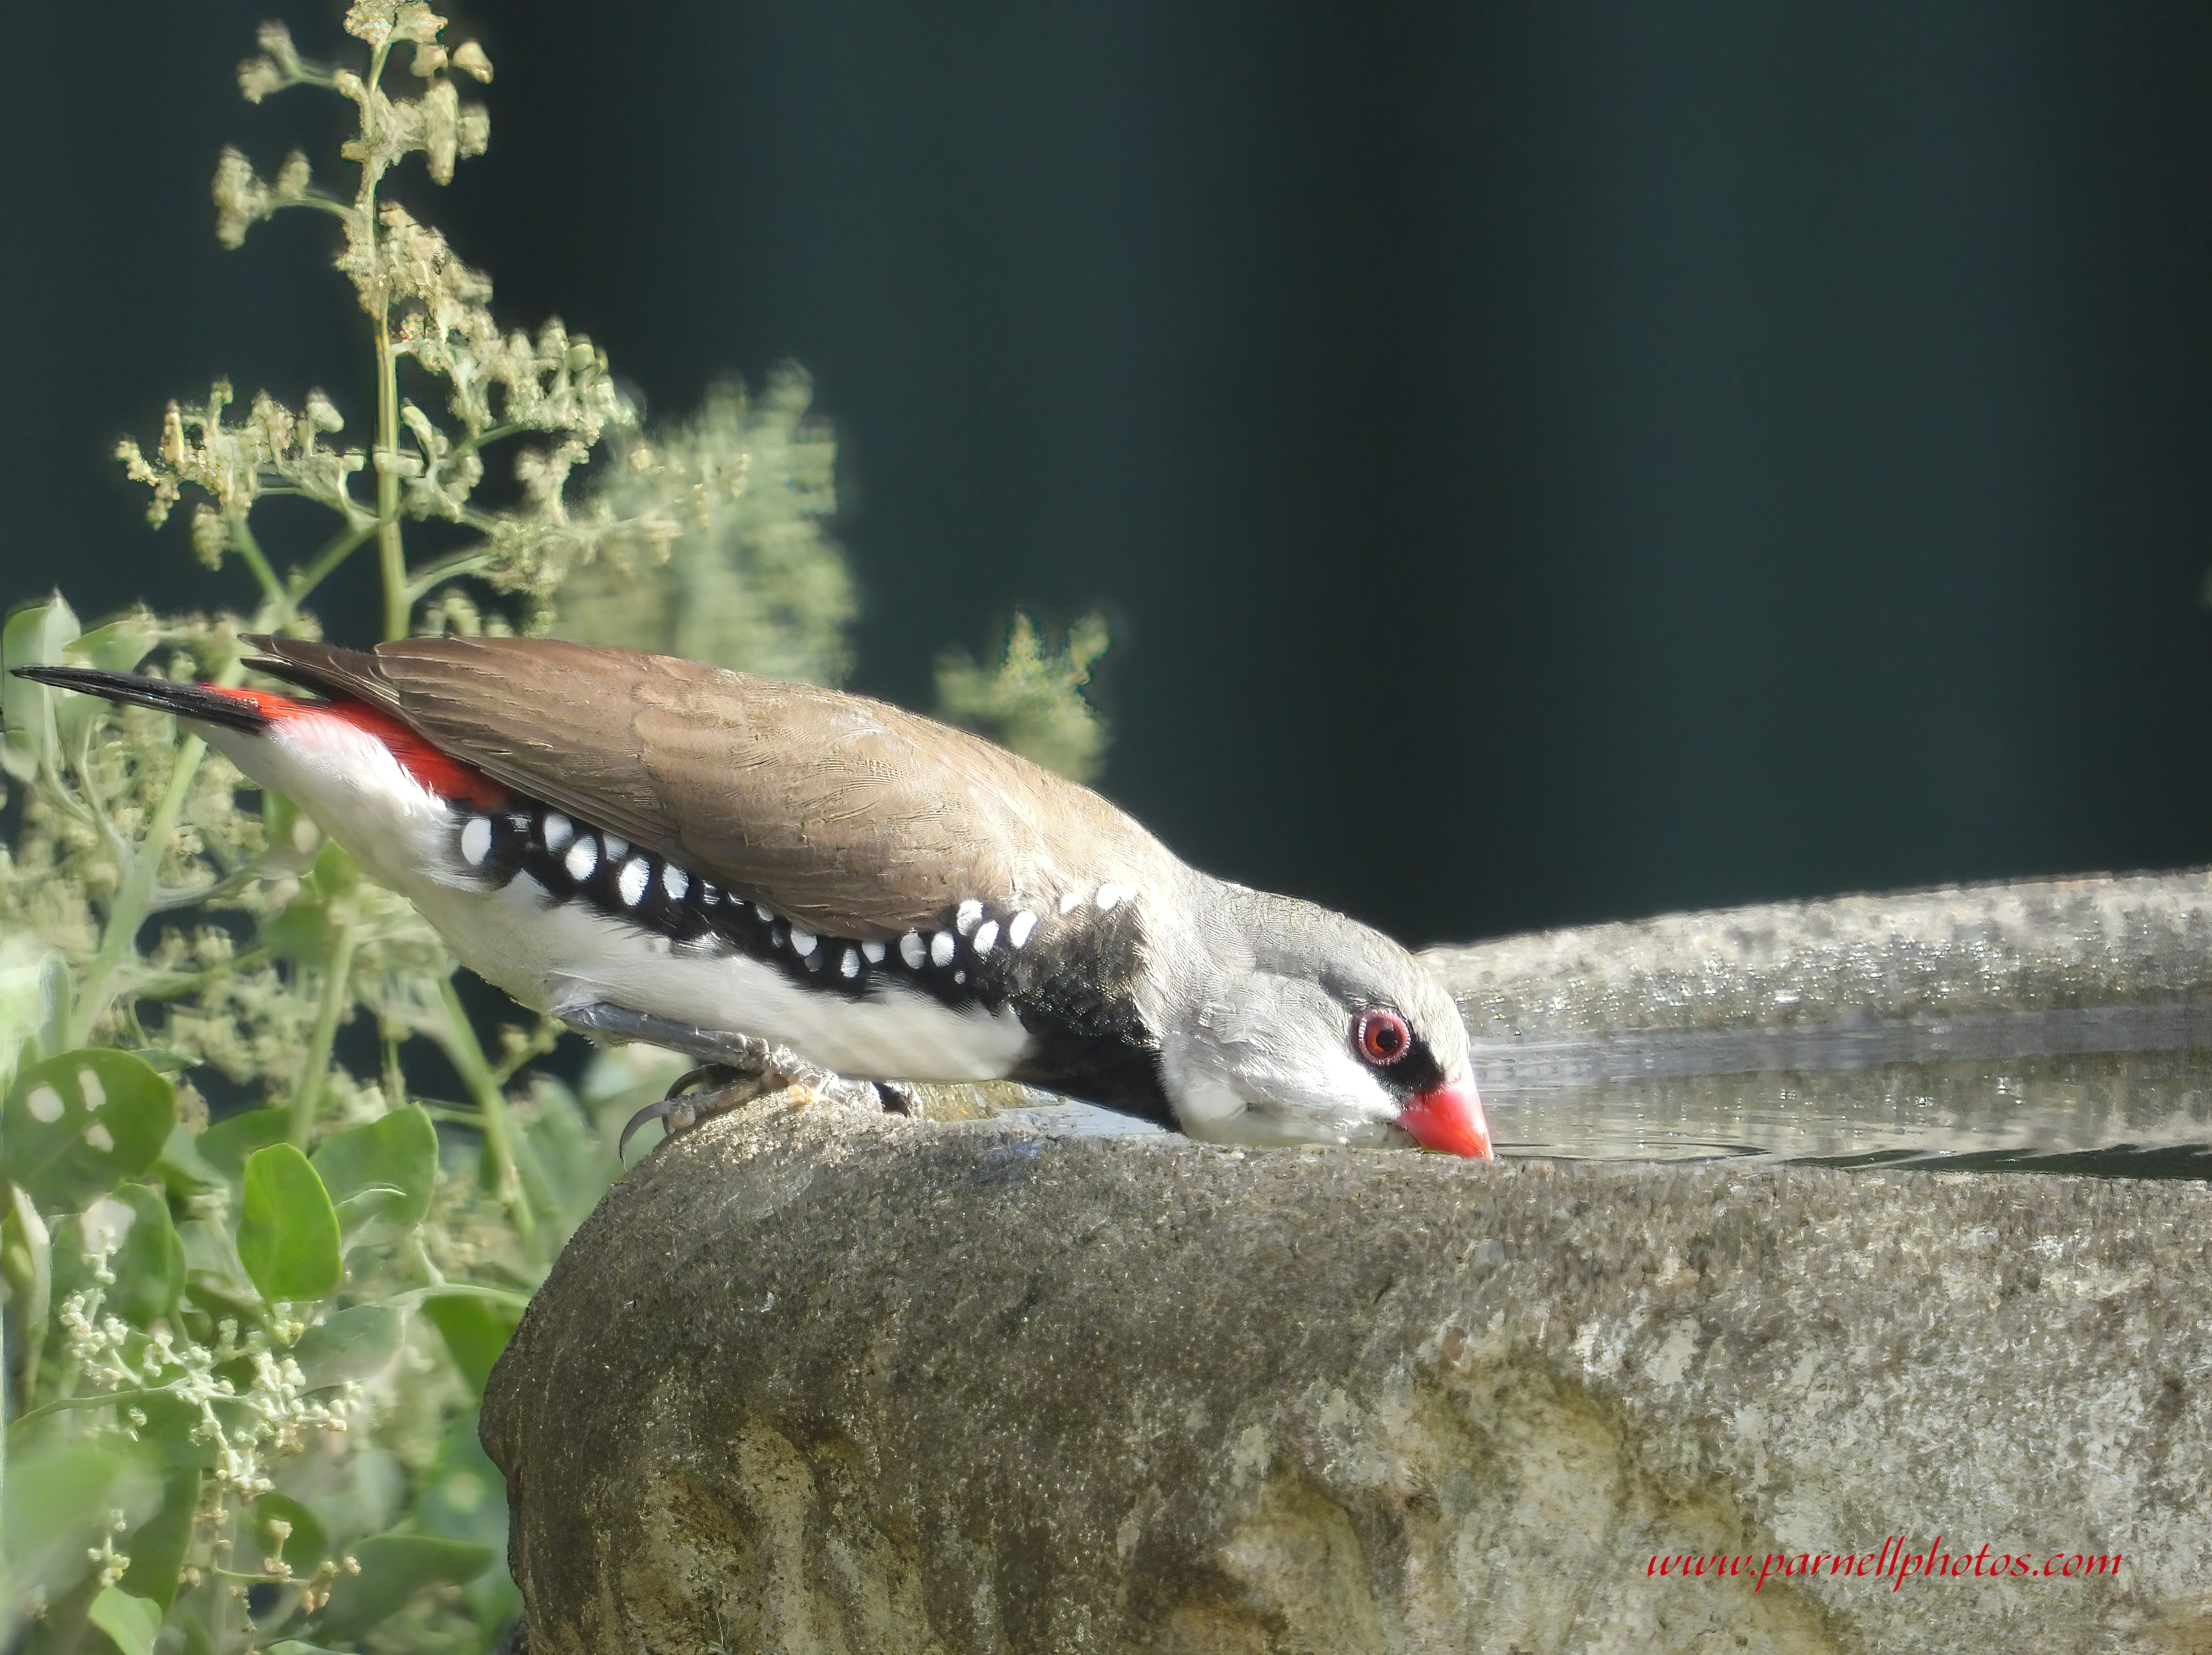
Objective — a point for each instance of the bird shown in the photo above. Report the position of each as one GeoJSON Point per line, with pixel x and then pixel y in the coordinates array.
{"type": "Point", "coordinates": [796, 882]}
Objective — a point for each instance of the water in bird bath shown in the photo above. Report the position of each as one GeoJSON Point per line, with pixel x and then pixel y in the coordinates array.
{"type": "Point", "coordinates": [2123, 1090]}
{"type": "Point", "coordinates": [2119, 1090]}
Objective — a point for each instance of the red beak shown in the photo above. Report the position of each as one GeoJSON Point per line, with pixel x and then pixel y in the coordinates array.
{"type": "Point", "coordinates": [1450, 1117]}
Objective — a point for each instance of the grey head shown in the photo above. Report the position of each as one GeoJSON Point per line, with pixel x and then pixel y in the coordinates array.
{"type": "Point", "coordinates": [1283, 1022]}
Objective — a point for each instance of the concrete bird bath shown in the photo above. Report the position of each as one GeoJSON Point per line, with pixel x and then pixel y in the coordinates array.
{"type": "Point", "coordinates": [813, 1381]}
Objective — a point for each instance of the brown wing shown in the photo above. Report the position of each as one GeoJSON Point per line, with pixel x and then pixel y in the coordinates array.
{"type": "Point", "coordinates": [851, 815]}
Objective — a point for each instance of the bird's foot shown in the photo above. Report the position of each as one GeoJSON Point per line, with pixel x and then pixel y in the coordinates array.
{"type": "Point", "coordinates": [681, 1108]}
{"type": "Point", "coordinates": [742, 1067]}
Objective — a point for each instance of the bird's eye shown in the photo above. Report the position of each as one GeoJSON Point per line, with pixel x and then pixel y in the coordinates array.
{"type": "Point", "coordinates": [1381, 1037]}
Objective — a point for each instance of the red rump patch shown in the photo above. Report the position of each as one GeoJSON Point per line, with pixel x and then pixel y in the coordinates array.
{"type": "Point", "coordinates": [437, 772]}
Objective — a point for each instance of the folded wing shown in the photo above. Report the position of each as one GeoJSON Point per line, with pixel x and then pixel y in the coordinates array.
{"type": "Point", "coordinates": [849, 815]}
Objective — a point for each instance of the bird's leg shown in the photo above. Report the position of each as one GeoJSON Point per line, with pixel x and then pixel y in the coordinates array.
{"type": "Point", "coordinates": [744, 1057]}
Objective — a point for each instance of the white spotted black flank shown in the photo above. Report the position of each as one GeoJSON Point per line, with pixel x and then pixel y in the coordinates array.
{"type": "Point", "coordinates": [962, 960]}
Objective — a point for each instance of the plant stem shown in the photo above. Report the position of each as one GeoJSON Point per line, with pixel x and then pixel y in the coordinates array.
{"type": "Point", "coordinates": [7, 1584]}
{"type": "Point", "coordinates": [391, 554]}
{"type": "Point", "coordinates": [99, 1399]}
{"type": "Point", "coordinates": [453, 1114]}
{"type": "Point", "coordinates": [467, 1056]}
{"type": "Point", "coordinates": [135, 895]}
{"type": "Point", "coordinates": [159, 987]}
{"type": "Point", "coordinates": [444, 1289]}
{"type": "Point", "coordinates": [446, 568]}
{"type": "Point", "coordinates": [390, 1034]}
{"type": "Point", "coordinates": [219, 1594]}
{"type": "Point", "coordinates": [483, 439]}
{"type": "Point", "coordinates": [543, 1038]}
{"type": "Point", "coordinates": [307, 1095]}
{"type": "Point", "coordinates": [272, 590]}
{"type": "Point", "coordinates": [335, 552]}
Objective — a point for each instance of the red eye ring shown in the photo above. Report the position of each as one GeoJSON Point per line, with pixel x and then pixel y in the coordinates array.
{"type": "Point", "coordinates": [1381, 1037]}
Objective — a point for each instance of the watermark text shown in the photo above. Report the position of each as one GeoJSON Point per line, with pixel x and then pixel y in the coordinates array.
{"type": "Point", "coordinates": [1896, 1563]}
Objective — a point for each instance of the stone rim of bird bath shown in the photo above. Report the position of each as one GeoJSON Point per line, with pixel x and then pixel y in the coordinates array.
{"type": "Point", "coordinates": [2022, 945]}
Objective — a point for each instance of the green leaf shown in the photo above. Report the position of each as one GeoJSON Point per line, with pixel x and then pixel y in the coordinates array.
{"type": "Point", "coordinates": [294, 1646]}
{"type": "Point", "coordinates": [336, 871]}
{"type": "Point", "coordinates": [293, 836]}
{"type": "Point", "coordinates": [27, 1255]}
{"type": "Point", "coordinates": [182, 1170]}
{"type": "Point", "coordinates": [168, 1435]}
{"type": "Point", "coordinates": [384, 1173]}
{"type": "Point", "coordinates": [307, 928]}
{"type": "Point", "coordinates": [304, 1549]}
{"type": "Point", "coordinates": [198, 1639]}
{"type": "Point", "coordinates": [34, 999]}
{"type": "Point", "coordinates": [465, 1498]}
{"type": "Point", "coordinates": [164, 1061]}
{"type": "Point", "coordinates": [366, 1493]}
{"type": "Point", "coordinates": [55, 1509]}
{"type": "Point", "coordinates": [393, 1568]}
{"type": "Point", "coordinates": [302, 930]}
{"type": "Point", "coordinates": [476, 1331]}
{"type": "Point", "coordinates": [35, 636]}
{"type": "Point", "coordinates": [214, 1292]}
{"type": "Point", "coordinates": [117, 645]}
{"type": "Point", "coordinates": [354, 1344]}
{"type": "Point", "coordinates": [132, 1226]}
{"type": "Point", "coordinates": [226, 1144]}
{"type": "Point", "coordinates": [78, 1124]}
{"type": "Point", "coordinates": [157, 1549]}
{"type": "Point", "coordinates": [288, 1234]}
{"type": "Point", "coordinates": [149, 1269]}
{"type": "Point", "coordinates": [565, 1165]}
{"type": "Point", "coordinates": [131, 1622]}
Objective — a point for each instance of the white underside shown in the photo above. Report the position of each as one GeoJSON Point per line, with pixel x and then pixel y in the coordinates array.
{"type": "Point", "coordinates": [561, 957]}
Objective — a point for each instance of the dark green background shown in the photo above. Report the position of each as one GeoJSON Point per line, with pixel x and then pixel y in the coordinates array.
{"type": "Point", "coordinates": [1546, 463]}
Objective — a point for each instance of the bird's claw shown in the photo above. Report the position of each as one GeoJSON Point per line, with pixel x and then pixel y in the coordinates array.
{"type": "Point", "coordinates": [732, 1060]}
{"type": "Point", "coordinates": [676, 1111]}
{"type": "Point", "coordinates": [674, 1119]}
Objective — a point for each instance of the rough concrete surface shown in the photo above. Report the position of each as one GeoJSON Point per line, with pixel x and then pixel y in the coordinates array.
{"type": "Point", "coordinates": [813, 1380]}
{"type": "Point", "coordinates": [2039, 945]}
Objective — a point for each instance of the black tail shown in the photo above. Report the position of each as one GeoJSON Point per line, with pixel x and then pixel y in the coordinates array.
{"type": "Point", "coordinates": [192, 700]}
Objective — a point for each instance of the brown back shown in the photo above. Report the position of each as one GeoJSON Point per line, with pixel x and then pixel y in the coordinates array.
{"type": "Point", "coordinates": [849, 815]}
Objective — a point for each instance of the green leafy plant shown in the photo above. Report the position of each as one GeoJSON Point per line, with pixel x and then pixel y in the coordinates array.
{"type": "Point", "coordinates": [244, 1346]}
{"type": "Point", "coordinates": [1030, 699]}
